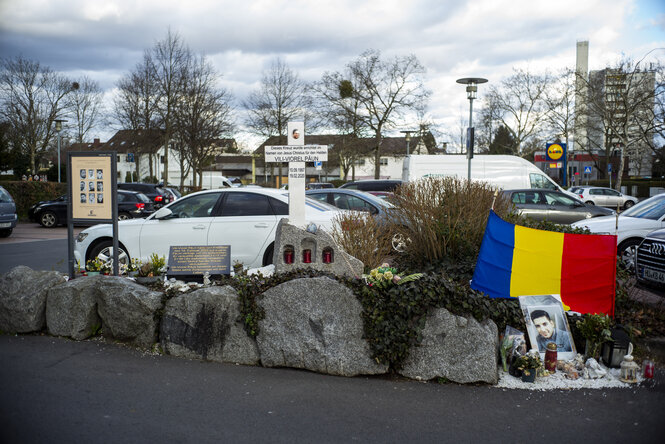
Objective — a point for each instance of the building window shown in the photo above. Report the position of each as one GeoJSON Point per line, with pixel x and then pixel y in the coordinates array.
{"type": "Point", "coordinates": [359, 162]}
{"type": "Point", "coordinates": [383, 161]}
{"type": "Point", "coordinates": [118, 159]}
{"type": "Point", "coordinates": [161, 159]}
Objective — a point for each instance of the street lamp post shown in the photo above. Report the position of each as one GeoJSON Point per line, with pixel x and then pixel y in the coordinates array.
{"type": "Point", "coordinates": [471, 92]}
{"type": "Point", "coordinates": [407, 137]}
{"type": "Point", "coordinates": [58, 128]}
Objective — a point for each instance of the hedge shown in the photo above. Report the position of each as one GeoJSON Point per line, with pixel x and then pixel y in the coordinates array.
{"type": "Point", "coordinates": [26, 193]}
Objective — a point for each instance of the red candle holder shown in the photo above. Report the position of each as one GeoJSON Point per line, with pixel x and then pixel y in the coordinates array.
{"type": "Point", "coordinates": [550, 357]}
{"type": "Point", "coordinates": [307, 256]}
{"type": "Point", "coordinates": [288, 256]}
{"type": "Point", "coordinates": [327, 257]}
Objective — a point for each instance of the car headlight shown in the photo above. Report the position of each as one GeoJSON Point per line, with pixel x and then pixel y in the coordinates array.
{"type": "Point", "coordinates": [81, 237]}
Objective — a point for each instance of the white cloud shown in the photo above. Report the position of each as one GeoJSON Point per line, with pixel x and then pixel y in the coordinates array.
{"type": "Point", "coordinates": [452, 39]}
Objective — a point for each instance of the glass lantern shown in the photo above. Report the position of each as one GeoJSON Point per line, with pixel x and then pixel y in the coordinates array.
{"type": "Point", "coordinates": [613, 351]}
{"type": "Point", "coordinates": [629, 369]}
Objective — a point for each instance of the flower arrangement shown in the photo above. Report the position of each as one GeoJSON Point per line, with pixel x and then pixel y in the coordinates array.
{"type": "Point", "coordinates": [529, 362]}
{"type": "Point", "coordinates": [385, 276]}
{"type": "Point", "coordinates": [95, 264]}
{"type": "Point", "coordinates": [154, 267]}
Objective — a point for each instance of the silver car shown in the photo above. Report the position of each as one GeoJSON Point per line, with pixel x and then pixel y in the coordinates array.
{"type": "Point", "coordinates": [553, 206]}
{"type": "Point", "coordinates": [606, 197]}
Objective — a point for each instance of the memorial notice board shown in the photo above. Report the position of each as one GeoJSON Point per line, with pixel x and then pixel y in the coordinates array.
{"type": "Point", "coordinates": [191, 262]}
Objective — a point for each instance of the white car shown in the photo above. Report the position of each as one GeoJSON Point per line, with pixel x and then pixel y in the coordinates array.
{"type": "Point", "coordinates": [244, 218]}
{"type": "Point", "coordinates": [606, 197]}
{"type": "Point", "coordinates": [633, 225]}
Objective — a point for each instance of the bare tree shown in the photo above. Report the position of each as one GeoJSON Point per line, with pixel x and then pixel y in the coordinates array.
{"type": "Point", "coordinates": [340, 110]}
{"type": "Point", "coordinates": [202, 116]}
{"type": "Point", "coordinates": [520, 99]}
{"type": "Point", "coordinates": [385, 91]}
{"type": "Point", "coordinates": [171, 59]}
{"type": "Point", "coordinates": [559, 100]}
{"type": "Point", "coordinates": [85, 104]}
{"type": "Point", "coordinates": [489, 118]}
{"type": "Point", "coordinates": [135, 105]}
{"type": "Point", "coordinates": [622, 101]}
{"type": "Point", "coordinates": [281, 97]}
{"type": "Point", "coordinates": [32, 97]}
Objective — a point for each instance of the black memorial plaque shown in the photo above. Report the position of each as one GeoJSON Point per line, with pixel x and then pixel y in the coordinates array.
{"type": "Point", "coordinates": [191, 262]}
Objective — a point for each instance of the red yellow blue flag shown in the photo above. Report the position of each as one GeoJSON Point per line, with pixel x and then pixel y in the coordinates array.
{"type": "Point", "coordinates": [517, 261]}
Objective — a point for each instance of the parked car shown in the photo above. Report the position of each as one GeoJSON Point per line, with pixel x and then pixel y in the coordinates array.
{"type": "Point", "coordinates": [634, 225]}
{"type": "Point", "coordinates": [650, 259]}
{"type": "Point", "coordinates": [373, 185]}
{"type": "Point", "coordinates": [51, 213]}
{"type": "Point", "coordinates": [553, 206]}
{"type": "Point", "coordinates": [157, 194]}
{"type": "Point", "coordinates": [173, 194]}
{"type": "Point", "coordinates": [575, 189]}
{"type": "Point", "coordinates": [318, 185]}
{"type": "Point", "coordinates": [355, 200]}
{"type": "Point", "coordinates": [606, 197]}
{"type": "Point", "coordinates": [352, 200]}
{"type": "Point", "coordinates": [244, 218]}
{"type": "Point", "coordinates": [8, 216]}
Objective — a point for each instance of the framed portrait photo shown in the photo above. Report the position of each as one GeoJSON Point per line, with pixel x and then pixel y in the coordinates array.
{"type": "Point", "coordinates": [546, 322]}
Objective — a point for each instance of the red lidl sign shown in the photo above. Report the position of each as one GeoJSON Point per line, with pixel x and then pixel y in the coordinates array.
{"type": "Point", "coordinates": [555, 151]}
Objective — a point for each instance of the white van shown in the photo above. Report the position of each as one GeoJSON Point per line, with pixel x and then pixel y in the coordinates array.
{"type": "Point", "coordinates": [503, 171]}
{"type": "Point", "coordinates": [212, 180]}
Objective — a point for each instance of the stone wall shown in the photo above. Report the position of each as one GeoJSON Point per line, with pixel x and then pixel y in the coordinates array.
{"type": "Point", "coordinates": [310, 323]}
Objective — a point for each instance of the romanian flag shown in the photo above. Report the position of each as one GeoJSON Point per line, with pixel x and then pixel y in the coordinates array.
{"type": "Point", "coordinates": [518, 261]}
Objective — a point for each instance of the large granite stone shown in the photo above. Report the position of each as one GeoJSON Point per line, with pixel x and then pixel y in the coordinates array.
{"type": "Point", "coordinates": [23, 298]}
{"type": "Point", "coordinates": [129, 311]}
{"type": "Point", "coordinates": [71, 308]}
{"type": "Point", "coordinates": [456, 348]}
{"type": "Point", "coordinates": [290, 237]}
{"type": "Point", "coordinates": [205, 325]}
{"type": "Point", "coordinates": [314, 324]}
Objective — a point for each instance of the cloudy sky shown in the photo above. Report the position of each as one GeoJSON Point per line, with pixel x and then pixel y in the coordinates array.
{"type": "Point", "coordinates": [104, 39]}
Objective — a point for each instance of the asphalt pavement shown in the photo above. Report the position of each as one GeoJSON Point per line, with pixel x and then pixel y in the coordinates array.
{"type": "Point", "coordinates": [58, 390]}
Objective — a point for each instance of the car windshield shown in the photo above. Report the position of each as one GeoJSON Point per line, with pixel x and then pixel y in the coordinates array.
{"type": "Point", "coordinates": [315, 204]}
{"type": "Point", "coordinates": [559, 199]}
{"type": "Point", "coordinates": [376, 200]}
{"type": "Point", "coordinates": [142, 198]}
{"type": "Point", "coordinates": [652, 208]}
{"type": "Point", "coordinates": [4, 196]}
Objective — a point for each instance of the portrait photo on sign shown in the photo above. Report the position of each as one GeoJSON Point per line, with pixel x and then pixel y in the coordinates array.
{"type": "Point", "coordinates": [546, 322]}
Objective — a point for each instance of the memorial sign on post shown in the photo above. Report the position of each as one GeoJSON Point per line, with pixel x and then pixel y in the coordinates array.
{"type": "Point", "coordinates": [296, 153]}
{"type": "Point", "coordinates": [92, 196]}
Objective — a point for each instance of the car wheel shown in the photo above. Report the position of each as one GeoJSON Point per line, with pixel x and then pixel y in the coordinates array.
{"type": "Point", "coordinates": [48, 219]}
{"type": "Point", "coordinates": [6, 232]}
{"type": "Point", "coordinates": [400, 242]}
{"type": "Point", "coordinates": [267, 256]}
{"type": "Point", "coordinates": [590, 202]}
{"type": "Point", "coordinates": [627, 251]}
{"type": "Point", "coordinates": [628, 204]}
{"type": "Point", "coordinates": [104, 251]}
{"type": "Point", "coordinates": [124, 216]}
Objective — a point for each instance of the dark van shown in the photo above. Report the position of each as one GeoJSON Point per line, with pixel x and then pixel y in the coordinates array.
{"type": "Point", "coordinates": [373, 185]}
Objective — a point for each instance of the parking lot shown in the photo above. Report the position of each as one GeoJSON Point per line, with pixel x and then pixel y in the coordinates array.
{"type": "Point", "coordinates": [30, 232]}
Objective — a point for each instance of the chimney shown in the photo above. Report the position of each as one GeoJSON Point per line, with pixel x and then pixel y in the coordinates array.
{"type": "Point", "coordinates": [96, 142]}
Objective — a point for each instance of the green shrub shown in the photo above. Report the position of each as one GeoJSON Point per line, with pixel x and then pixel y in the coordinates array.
{"type": "Point", "coordinates": [444, 217]}
{"type": "Point", "coordinates": [26, 194]}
